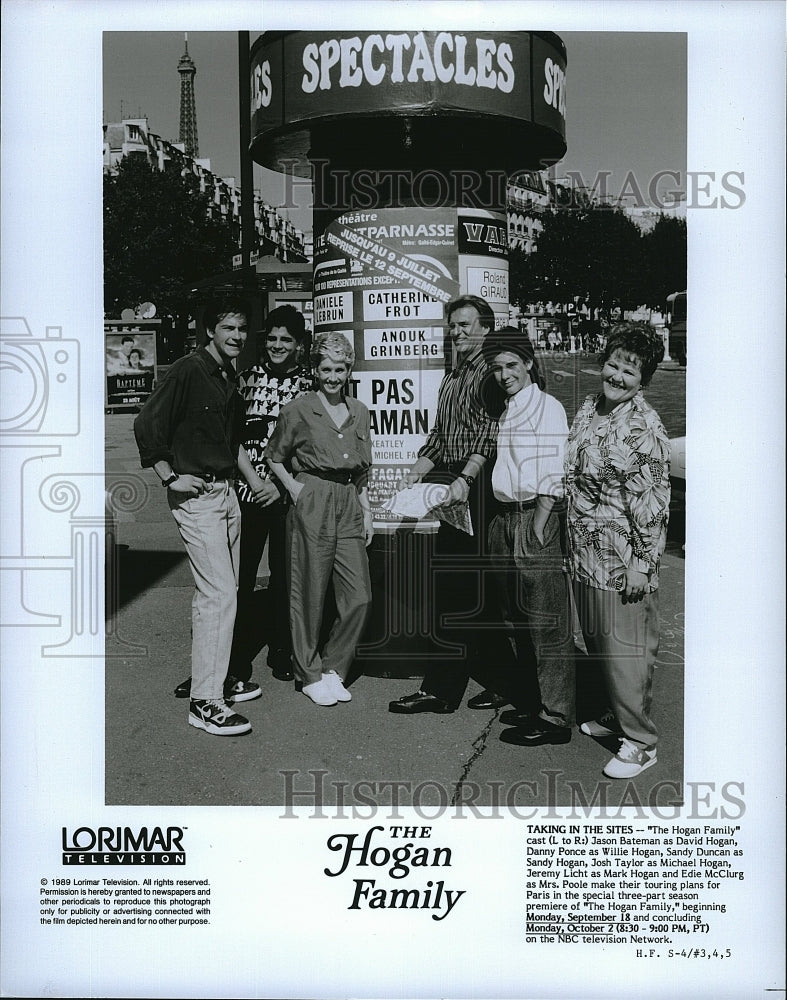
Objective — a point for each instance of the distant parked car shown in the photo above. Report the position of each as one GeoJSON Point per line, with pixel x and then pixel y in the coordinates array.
{"type": "Point", "coordinates": [677, 476]}
{"type": "Point", "coordinates": [677, 472]}
{"type": "Point", "coordinates": [676, 324]}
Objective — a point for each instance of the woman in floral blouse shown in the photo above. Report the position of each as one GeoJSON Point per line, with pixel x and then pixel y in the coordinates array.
{"type": "Point", "coordinates": [618, 492]}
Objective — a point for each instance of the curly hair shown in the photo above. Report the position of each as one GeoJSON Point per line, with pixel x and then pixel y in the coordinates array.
{"type": "Point", "coordinates": [291, 318]}
{"type": "Point", "coordinates": [637, 341]}
{"type": "Point", "coordinates": [334, 346]}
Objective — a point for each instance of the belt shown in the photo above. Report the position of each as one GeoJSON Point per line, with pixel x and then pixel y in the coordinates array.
{"type": "Point", "coordinates": [211, 477]}
{"type": "Point", "coordinates": [515, 506]}
{"type": "Point", "coordinates": [558, 507]}
{"type": "Point", "coordinates": [341, 476]}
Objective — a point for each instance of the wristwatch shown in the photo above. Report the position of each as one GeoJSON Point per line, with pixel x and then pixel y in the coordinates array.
{"type": "Point", "coordinates": [169, 480]}
{"type": "Point", "coordinates": [468, 479]}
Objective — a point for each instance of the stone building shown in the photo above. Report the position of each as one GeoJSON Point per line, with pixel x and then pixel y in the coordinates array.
{"type": "Point", "coordinates": [276, 235]}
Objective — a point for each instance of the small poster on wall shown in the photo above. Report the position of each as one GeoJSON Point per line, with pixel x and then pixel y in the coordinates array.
{"type": "Point", "coordinates": [130, 359]}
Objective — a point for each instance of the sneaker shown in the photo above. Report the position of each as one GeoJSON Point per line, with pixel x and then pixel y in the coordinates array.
{"type": "Point", "coordinates": [605, 725]}
{"type": "Point", "coordinates": [320, 692]}
{"type": "Point", "coordinates": [235, 690]}
{"type": "Point", "coordinates": [336, 686]}
{"type": "Point", "coordinates": [629, 761]}
{"type": "Point", "coordinates": [216, 717]}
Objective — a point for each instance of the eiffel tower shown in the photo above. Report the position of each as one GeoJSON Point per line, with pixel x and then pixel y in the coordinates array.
{"type": "Point", "coordinates": [188, 105]}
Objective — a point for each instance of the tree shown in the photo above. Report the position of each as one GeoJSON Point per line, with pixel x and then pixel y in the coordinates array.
{"type": "Point", "coordinates": [665, 260]}
{"type": "Point", "coordinates": [522, 281]}
{"type": "Point", "coordinates": [593, 254]}
{"type": "Point", "coordinates": [158, 238]}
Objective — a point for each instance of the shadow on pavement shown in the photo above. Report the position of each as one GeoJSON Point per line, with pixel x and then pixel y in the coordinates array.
{"type": "Point", "coordinates": [138, 570]}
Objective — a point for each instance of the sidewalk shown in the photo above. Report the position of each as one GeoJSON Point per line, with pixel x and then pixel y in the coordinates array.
{"type": "Point", "coordinates": [153, 757]}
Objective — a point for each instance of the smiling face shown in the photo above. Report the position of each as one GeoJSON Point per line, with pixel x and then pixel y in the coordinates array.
{"type": "Point", "coordinates": [281, 347]}
{"type": "Point", "coordinates": [331, 376]}
{"type": "Point", "coordinates": [621, 378]}
{"type": "Point", "coordinates": [227, 339]}
{"type": "Point", "coordinates": [511, 373]}
{"type": "Point", "coordinates": [466, 331]}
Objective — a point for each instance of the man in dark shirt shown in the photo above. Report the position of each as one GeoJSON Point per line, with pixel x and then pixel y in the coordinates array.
{"type": "Point", "coordinates": [190, 433]}
{"type": "Point", "coordinates": [459, 444]}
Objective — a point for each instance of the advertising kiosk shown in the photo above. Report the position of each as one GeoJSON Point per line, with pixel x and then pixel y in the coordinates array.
{"type": "Point", "coordinates": [408, 139]}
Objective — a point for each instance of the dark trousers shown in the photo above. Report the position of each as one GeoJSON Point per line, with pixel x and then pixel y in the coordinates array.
{"type": "Point", "coordinates": [464, 636]}
{"type": "Point", "coordinates": [258, 525]}
{"type": "Point", "coordinates": [535, 605]}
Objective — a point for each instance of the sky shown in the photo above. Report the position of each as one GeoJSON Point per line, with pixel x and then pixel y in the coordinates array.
{"type": "Point", "coordinates": [626, 109]}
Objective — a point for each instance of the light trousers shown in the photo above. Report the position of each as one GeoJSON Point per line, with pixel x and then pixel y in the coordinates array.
{"type": "Point", "coordinates": [326, 542]}
{"type": "Point", "coordinates": [210, 528]}
{"type": "Point", "coordinates": [624, 637]}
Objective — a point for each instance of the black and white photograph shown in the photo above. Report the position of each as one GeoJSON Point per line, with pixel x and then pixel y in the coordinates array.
{"type": "Point", "coordinates": [379, 445]}
{"type": "Point", "coordinates": [420, 237]}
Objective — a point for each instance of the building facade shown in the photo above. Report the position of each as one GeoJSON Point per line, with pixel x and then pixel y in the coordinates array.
{"type": "Point", "coordinates": [531, 193]}
{"type": "Point", "coordinates": [276, 235]}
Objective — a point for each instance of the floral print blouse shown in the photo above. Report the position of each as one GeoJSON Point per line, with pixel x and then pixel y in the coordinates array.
{"type": "Point", "coordinates": [618, 493]}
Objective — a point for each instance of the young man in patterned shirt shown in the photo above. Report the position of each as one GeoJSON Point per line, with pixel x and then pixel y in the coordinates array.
{"type": "Point", "coordinates": [281, 376]}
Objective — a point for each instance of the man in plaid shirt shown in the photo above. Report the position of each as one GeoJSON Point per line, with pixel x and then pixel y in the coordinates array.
{"type": "Point", "coordinates": [460, 443]}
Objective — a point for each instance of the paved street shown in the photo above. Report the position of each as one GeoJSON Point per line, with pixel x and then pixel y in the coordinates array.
{"type": "Point", "coordinates": [153, 757]}
{"type": "Point", "coordinates": [571, 377]}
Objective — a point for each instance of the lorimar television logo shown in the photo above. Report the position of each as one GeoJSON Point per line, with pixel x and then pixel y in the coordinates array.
{"type": "Point", "coordinates": [121, 845]}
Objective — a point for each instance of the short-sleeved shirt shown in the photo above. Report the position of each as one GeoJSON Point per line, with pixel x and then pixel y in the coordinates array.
{"type": "Point", "coordinates": [618, 492]}
{"type": "Point", "coordinates": [462, 426]}
{"type": "Point", "coordinates": [265, 393]}
{"type": "Point", "coordinates": [306, 439]}
{"type": "Point", "coordinates": [193, 419]}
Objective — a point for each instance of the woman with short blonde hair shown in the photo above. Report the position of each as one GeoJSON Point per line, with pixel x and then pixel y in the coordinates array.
{"type": "Point", "coordinates": [321, 451]}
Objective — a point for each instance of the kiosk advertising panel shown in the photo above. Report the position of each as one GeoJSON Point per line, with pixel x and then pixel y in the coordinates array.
{"type": "Point", "coordinates": [383, 278]}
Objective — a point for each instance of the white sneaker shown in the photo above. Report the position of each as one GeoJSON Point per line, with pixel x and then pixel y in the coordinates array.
{"type": "Point", "coordinates": [629, 761]}
{"type": "Point", "coordinates": [335, 685]}
{"type": "Point", "coordinates": [605, 725]}
{"type": "Point", "coordinates": [320, 692]}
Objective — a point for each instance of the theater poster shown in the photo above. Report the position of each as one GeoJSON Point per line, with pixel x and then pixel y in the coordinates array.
{"type": "Point", "coordinates": [130, 367]}
{"type": "Point", "coordinates": [345, 851]}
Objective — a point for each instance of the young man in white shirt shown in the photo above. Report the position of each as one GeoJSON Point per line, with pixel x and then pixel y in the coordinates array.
{"type": "Point", "coordinates": [525, 539]}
